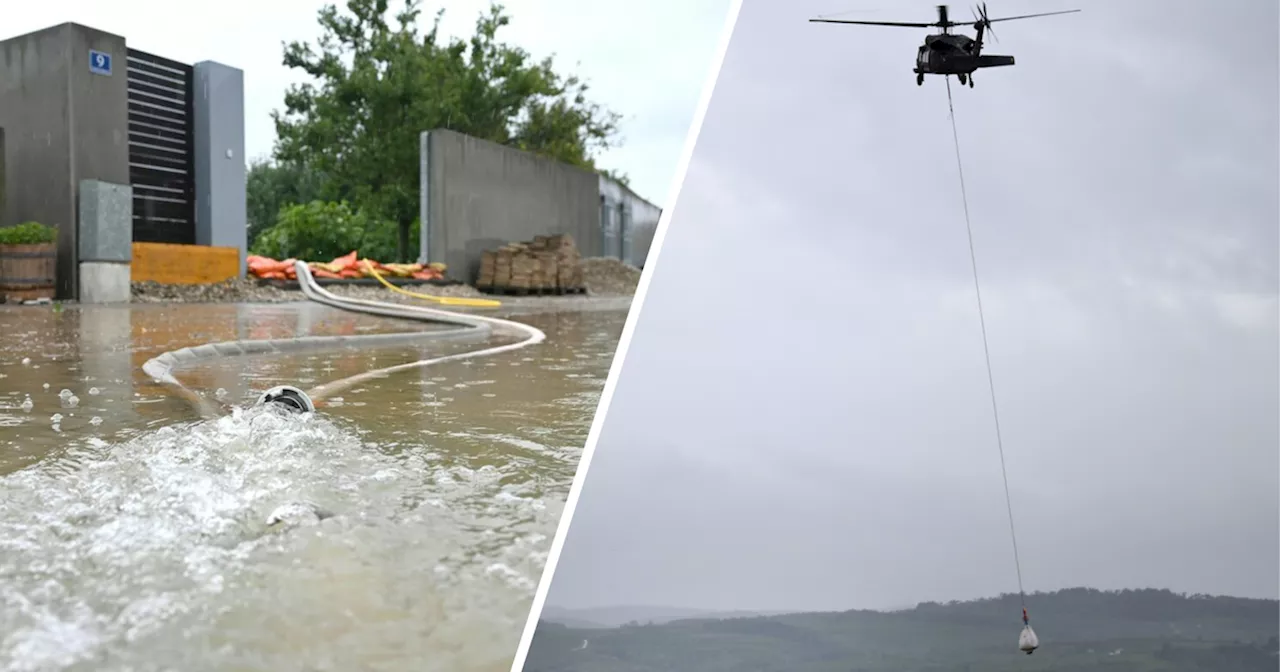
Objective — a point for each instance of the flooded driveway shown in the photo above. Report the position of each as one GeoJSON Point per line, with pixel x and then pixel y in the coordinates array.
{"type": "Point", "coordinates": [134, 535]}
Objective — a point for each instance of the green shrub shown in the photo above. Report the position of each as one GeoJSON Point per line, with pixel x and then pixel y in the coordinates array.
{"type": "Point", "coordinates": [380, 241]}
{"type": "Point", "coordinates": [320, 231]}
{"type": "Point", "coordinates": [28, 233]}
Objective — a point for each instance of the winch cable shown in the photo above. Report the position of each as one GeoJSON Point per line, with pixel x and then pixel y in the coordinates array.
{"type": "Point", "coordinates": [986, 350]}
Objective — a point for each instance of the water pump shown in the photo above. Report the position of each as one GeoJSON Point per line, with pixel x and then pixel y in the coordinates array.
{"type": "Point", "coordinates": [289, 397]}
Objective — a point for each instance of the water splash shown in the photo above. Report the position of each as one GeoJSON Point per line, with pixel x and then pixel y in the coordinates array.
{"type": "Point", "coordinates": [161, 550]}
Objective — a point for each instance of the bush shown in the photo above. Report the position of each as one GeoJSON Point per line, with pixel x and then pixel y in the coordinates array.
{"type": "Point", "coordinates": [320, 231]}
{"type": "Point", "coordinates": [28, 233]}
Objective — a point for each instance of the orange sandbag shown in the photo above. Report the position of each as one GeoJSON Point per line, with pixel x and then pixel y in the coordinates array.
{"type": "Point", "coordinates": [346, 261]}
{"type": "Point", "coordinates": [350, 273]}
{"type": "Point", "coordinates": [425, 275]}
{"type": "Point", "coordinates": [321, 273]}
{"type": "Point", "coordinates": [272, 266]}
{"type": "Point", "coordinates": [260, 265]}
{"type": "Point", "coordinates": [273, 275]}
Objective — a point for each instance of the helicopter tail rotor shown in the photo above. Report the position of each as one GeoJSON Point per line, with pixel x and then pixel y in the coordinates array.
{"type": "Point", "coordinates": [983, 22]}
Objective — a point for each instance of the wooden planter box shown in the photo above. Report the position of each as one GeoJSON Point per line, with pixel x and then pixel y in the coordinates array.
{"type": "Point", "coordinates": [28, 271]}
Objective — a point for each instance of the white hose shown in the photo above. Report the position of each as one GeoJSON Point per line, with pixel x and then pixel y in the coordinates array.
{"type": "Point", "coordinates": [162, 367]}
{"type": "Point", "coordinates": [315, 292]}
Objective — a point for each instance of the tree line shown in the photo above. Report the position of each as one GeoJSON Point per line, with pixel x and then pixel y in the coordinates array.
{"type": "Point", "coordinates": [1080, 629]}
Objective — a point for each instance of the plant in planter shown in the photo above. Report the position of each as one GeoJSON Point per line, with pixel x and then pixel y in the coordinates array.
{"type": "Point", "coordinates": [28, 261]}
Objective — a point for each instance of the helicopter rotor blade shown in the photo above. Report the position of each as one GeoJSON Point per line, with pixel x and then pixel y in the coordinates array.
{"type": "Point", "coordinates": [1031, 16]}
{"type": "Point", "coordinates": [876, 23]}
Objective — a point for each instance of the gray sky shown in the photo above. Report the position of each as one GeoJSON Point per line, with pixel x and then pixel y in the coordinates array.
{"type": "Point", "coordinates": [803, 419]}
{"type": "Point", "coordinates": [612, 45]}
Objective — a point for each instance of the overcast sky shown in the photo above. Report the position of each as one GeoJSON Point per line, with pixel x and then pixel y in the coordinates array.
{"type": "Point", "coordinates": [647, 61]}
{"type": "Point", "coordinates": [803, 420]}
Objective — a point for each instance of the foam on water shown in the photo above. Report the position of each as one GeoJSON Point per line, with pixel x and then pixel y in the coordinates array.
{"type": "Point", "coordinates": [157, 553]}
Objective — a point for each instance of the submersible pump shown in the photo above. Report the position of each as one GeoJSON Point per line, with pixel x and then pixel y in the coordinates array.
{"type": "Point", "coordinates": [289, 397]}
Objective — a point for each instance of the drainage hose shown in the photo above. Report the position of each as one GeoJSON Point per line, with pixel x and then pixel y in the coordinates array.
{"type": "Point", "coordinates": [531, 335]}
{"type": "Point", "coordinates": [163, 367]}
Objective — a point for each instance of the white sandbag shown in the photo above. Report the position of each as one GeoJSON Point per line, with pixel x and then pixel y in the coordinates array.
{"type": "Point", "coordinates": [1027, 641]}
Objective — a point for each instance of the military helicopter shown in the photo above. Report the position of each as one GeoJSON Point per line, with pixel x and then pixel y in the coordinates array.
{"type": "Point", "coordinates": [949, 53]}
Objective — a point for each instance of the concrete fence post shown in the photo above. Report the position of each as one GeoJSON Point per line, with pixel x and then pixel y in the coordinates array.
{"type": "Point", "coordinates": [2, 180]}
{"type": "Point", "coordinates": [105, 241]}
{"type": "Point", "coordinates": [220, 171]}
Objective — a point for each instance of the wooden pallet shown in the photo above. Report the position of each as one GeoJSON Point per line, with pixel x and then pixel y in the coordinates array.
{"type": "Point", "coordinates": [532, 291]}
{"type": "Point", "coordinates": [17, 296]}
{"type": "Point", "coordinates": [545, 266]}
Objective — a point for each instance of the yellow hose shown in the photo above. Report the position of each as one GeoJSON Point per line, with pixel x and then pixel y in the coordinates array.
{"type": "Point", "coordinates": [442, 300]}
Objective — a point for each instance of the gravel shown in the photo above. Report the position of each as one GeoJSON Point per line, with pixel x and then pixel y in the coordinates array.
{"type": "Point", "coordinates": [603, 277]}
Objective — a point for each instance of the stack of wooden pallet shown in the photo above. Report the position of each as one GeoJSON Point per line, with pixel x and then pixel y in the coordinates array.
{"type": "Point", "coordinates": [545, 265]}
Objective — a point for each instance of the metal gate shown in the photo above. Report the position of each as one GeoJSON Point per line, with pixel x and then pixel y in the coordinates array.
{"type": "Point", "coordinates": [161, 149]}
{"type": "Point", "coordinates": [613, 228]}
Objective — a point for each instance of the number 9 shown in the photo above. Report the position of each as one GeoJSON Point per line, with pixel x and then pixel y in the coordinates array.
{"type": "Point", "coordinates": [98, 60]}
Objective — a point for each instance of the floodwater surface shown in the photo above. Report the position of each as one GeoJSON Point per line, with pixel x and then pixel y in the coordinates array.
{"type": "Point", "coordinates": [134, 531]}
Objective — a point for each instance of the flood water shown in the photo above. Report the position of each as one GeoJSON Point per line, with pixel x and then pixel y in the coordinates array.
{"type": "Point", "coordinates": [133, 531]}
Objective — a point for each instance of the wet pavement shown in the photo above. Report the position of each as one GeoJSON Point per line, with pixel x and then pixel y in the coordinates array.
{"type": "Point", "coordinates": [133, 532]}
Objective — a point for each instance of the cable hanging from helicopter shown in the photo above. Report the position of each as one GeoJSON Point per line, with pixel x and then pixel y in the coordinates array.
{"type": "Point", "coordinates": [947, 53]}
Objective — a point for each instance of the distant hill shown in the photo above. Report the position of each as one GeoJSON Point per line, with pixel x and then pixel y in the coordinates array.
{"type": "Point", "coordinates": [1080, 629]}
{"type": "Point", "coordinates": [612, 617]}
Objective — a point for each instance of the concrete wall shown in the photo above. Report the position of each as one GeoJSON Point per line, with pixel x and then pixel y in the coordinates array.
{"type": "Point", "coordinates": [221, 218]}
{"type": "Point", "coordinates": [2, 182]}
{"type": "Point", "coordinates": [35, 113]}
{"type": "Point", "coordinates": [63, 123]}
{"type": "Point", "coordinates": [477, 195]}
{"type": "Point", "coordinates": [627, 222]}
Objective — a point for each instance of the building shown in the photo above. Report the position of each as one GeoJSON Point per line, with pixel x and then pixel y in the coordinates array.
{"type": "Point", "coordinates": [153, 148]}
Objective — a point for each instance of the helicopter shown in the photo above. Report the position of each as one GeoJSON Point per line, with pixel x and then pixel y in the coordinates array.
{"type": "Point", "coordinates": [949, 53]}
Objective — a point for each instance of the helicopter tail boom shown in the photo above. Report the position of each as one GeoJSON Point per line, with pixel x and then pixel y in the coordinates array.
{"type": "Point", "coordinates": [965, 65]}
{"type": "Point", "coordinates": [992, 61]}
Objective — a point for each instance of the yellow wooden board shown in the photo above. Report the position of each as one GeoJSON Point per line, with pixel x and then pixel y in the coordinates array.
{"type": "Point", "coordinates": [184, 264]}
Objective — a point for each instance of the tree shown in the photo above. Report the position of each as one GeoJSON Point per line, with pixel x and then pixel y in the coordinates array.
{"type": "Point", "coordinates": [378, 86]}
{"type": "Point", "coordinates": [321, 231]}
{"type": "Point", "coordinates": [271, 186]}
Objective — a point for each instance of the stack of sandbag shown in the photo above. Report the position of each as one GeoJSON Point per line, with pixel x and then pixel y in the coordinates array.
{"type": "Point", "coordinates": [347, 267]}
{"type": "Point", "coordinates": [495, 267]}
{"type": "Point", "coordinates": [488, 269]}
{"type": "Point", "coordinates": [546, 272]}
{"type": "Point", "coordinates": [547, 264]}
{"type": "Point", "coordinates": [568, 262]}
